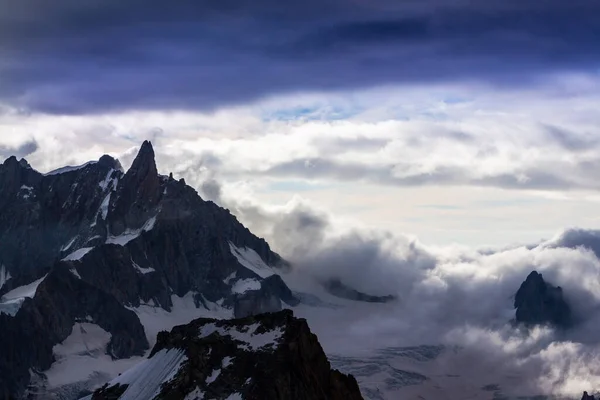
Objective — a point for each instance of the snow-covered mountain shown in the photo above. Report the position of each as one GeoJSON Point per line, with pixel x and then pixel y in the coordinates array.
{"type": "Point", "coordinates": [113, 258]}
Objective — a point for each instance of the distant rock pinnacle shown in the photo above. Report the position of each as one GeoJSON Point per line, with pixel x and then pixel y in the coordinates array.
{"type": "Point", "coordinates": [538, 303]}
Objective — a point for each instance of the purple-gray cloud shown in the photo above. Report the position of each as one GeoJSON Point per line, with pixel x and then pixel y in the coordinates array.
{"type": "Point", "coordinates": [79, 57]}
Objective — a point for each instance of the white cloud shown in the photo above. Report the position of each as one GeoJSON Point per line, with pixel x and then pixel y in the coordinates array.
{"type": "Point", "coordinates": [423, 159]}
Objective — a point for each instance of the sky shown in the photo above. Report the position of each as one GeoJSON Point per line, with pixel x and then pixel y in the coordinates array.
{"type": "Point", "coordinates": [459, 122]}
{"type": "Point", "coordinates": [438, 150]}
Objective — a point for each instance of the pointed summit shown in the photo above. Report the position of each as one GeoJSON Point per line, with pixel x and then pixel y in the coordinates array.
{"type": "Point", "coordinates": [144, 162]}
{"type": "Point", "coordinates": [538, 302]}
{"type": "Point", "coordinates": [138, 193]}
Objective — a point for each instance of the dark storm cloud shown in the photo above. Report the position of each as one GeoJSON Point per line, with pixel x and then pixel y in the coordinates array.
{"type": "Point", "coordinates": [574, 238]}
{"type": "Point", "coordinates": [76, 57]}
{"type": "Point", "coordinates": [20, 151]}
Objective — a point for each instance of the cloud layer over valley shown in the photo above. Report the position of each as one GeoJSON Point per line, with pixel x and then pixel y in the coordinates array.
{"type": "Point", "coordinates": [455, 296]}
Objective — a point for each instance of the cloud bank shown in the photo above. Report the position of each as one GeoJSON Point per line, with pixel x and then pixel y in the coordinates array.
{"type": "Point", "coordinates": [456, 296]}
{"type": "Point", "coordinates": [449, 163]}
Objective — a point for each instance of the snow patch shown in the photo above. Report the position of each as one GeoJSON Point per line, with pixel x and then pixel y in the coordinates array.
{"type": "Point", "coordinates": [130, 235]}
{"type": "Point", "coordinates": [245, 334]}
{"type": "Point", "coordinates": [245, 285]}
{"type": "Point", "coordinates": [230, 278]}
{"type": "Point", "coordinates": [104, 206]}
{"type": "Point", "coordinates": [184, 310]}
{"type": "Point", "coordinates": [69, 169]}
{"type": "Point", "coordinates": [68, 245]}
{"type": "Point", "coordinates": [24, 291]}
{"type": "Point", "coordinates": [109, 181]}
{"type": "Point", "coordinates": [197, 394]}
{"type": "Point", "coordinates": [82, 358]}
{"type": "Point", "coordinates": [11, 302]}
{"type": "Point", "coordinates": [226, 362]}
{"type": "Point", "coordinates": [93, 238]}
{"type": "Point", "coordinates": [145, 379]}
{"type": "Point", "coordinates": [142, 270]}
{"type": "Point", "coordinates": [11, 307]}
{"type": "Point", "coordinates": [251, 260]}
{"type": "Point", "coordinates": [74, 272]}
{"type": "Point", "coordinates": [78, 254]}
{"type": "Point", "coordinates": [235, 396]}
{"type": "Point", "coordinates": [85, 339]}
{"type": "Point", "coordinates": [4, 276]}
{"type": "Point", "coordinates": [213, 377]}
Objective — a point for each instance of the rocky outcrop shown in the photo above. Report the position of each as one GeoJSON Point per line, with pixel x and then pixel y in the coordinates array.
{"type": "Point", "coordinates": [338, 289]}
{"type": "Point", "coordinates": [268, 356]}
{"type": "Point", "coordinates": [538, 302]}
{"type": "Point", "coordinates": [586, 396]}
{"type": "Point", "coordinates": [271, 296]}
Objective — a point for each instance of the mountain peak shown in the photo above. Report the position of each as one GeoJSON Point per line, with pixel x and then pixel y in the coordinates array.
{"type": "Point", "coordinates": [110, 162]}
{"type": "Point", "coordinates": [12, 160]}
{"type": "Point", "coordinates": [145, 160]}
{"type": "Point", "coordinates": [538, 302]}
{"type": "Point", "coordinates": [534, 275]}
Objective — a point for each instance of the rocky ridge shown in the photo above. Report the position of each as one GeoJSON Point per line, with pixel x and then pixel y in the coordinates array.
{"type": "Point", "coordinates": [268, 356]}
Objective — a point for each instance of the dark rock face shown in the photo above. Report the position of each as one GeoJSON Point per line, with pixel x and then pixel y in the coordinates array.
{"type": "Point", "coordinates": [586, 396]}
{"type": "Point", "coordinates": [138, 193]}
{"type": "Point", "coordinates": [537, 302]}
{"type": "Point", "coordinates": [105, 240]}
{"type": "Point", "coordinates": [47, 319]}
{"type": "Point", "coordinates": [268, 356]}
{"type": "Point", "coordinates": [337, 288]}
{"type": "Point", "coordinates": [267, 299]}
{"type": "Point", "coordinates": [255, 300]}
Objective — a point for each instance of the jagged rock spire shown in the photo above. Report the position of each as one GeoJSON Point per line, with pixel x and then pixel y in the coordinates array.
{"type": "Point", "coordinates": [144, 162]}
{"type": "Point", "coordinates": [138, 193]}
